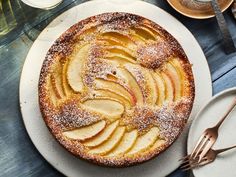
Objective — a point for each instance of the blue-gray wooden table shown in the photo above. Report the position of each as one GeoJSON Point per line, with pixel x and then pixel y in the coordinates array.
{"type": "Point", "coordinates": [18, 156]}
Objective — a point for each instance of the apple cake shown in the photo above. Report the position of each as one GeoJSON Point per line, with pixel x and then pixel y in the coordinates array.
{"type": "Point", "coordinates": [116, 89]}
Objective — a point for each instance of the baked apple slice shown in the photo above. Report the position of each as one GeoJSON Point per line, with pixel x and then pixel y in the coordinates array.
{"type": "Point", "coordinates": [65, 86]}
{"type": "Point", "coordinates": [145, 81]}
{"type": "Point", "coordinates": [55, 87]}
{"type": "Point", "coordinates": [102, 93]}
{"type": "Point", "coordinates": [124, 39]}
{"type": "Point", "coordinates": [110, 143]}
{"type": "Point", "coordinates": [169, 87]}
{"type": "Point", "coordinates": [125, 144]}
{"type": "Point", "coordinates": [103, 136]}
{"type": "Point", "coordinates": [56, 80]}
{"type": "Point", "coordinates": [120, 50]}
{"type": "Point", "coordinates": [118, 59]}
{"type": "Point", "coordinates": [160, 85]}
{"type": "Point", "coordinates": [151, 88]}
{"type": "Point", "coordinates": [178, 66]}
{"type": "Point", "coordinates": [75, 68]}
{"type": "Point", "coordinates": [110, 40]}
{"type": "Point", "coordinates": [86, 132]}
{"type": "Point", "coordinates": [116, 88]}
{"type": "Point", "coordinates": [132, 83]}
{"type": "Point", "coordinates": [144, 33]}
{"type": "Point", "coordinates": [111, 109]}
{"type": "Point", "coordinates": [175, 78]}
{"type": "Point", "coordinates": [52, 92]}
{"type": "Point", "coordinates": [145, 141]}
{"type": "Point", "coordinates": [158, 143]}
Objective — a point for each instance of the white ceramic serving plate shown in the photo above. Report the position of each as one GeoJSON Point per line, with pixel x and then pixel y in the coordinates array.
{"type": "Point", "coordinates": [36, 128]}
{"type": "Point", "coordinates": [225, 164]}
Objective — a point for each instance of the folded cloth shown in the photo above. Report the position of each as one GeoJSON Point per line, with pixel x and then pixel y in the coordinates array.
{"type": "Point", "coordinates": [234, 9]}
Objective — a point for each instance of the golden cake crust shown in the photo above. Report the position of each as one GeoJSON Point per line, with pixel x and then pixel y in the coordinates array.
{"type": "Point", "coordinates": [65, 115]}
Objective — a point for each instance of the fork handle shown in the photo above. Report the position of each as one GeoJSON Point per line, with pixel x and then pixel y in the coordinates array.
{"type": "Point", "coordinates": [226, 114]}
{"type": "Point", "coordinates": [218, 151]}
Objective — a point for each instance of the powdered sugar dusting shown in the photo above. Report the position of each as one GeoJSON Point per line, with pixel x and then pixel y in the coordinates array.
{"type": "Point", "coordinates": [71, 116]}
{"type": "Point", "coordinates": [169, 118]}
{"type": "Point", "coordinates": [172, 118]}
{"type": "Point", "coordinates": [154, 55]}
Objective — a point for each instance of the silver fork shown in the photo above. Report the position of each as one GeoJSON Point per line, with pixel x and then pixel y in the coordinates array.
{"type": "Point", "coordinates": [211, 155]}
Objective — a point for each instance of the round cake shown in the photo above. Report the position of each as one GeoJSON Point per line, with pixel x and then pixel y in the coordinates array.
{"type": "Point", "coordinates": [116, 89]}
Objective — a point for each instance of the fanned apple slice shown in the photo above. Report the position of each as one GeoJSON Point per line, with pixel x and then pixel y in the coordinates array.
{"type": "Point", "coordinates": [153, 31]}
{"type": "Point", "coordinates": [111, 109]}
{"type": "Point", "coordinates": [125, 144]}
{"type": "Point", "coordinates": [144, 33]}
{"type": "Point", "coordinates": [120, 37]}
{"type": "Point", "coordinates": [102, 93]}
{"type": "Point", "coordinates": [110, 143]}
{"type": "Point", "coordinates": [176, 63]}
{"type": "Point", "coordinates": [55, 87]}
{"type": "Point", "coordinates": [145, 141]}
{"type": "Point", "coordinates": [120, 50]}
{"type": "Point", "coordinates": [75, 68]}
{"type": "Point", "coordinates": [175, 78]}
{"type": "Point", "coordinates": [112, 40]}
{"type": "Point", "coordinates": [86, 132]}
{"type": "Point", "coordinates": [65, 86]}
{"type": "Point", "coordinates": [160, 85]}
{"type": "Point", "coordinates": [158, 143]}
{"type": "Point", "coordinates": [116, 88]}
{"type": "Point", "coordinates": [152, 97]}
{"type": "Point", "coordinates": [145, 81]}
{"type": "Point", "coordinates": [103, 136]}
{"type": "Point", "coordinates": [137, 37]}
{"type": "Point", "coordinates": [89, 30]}
{"type": "Point", "coordinates": [51, 92]}
{"type": "Point", "coordinates": [169, 87]}
{"type": "Point", "coordinates": [119, 58]}
{"type": "Point", "coordinates": [132, 83]}
{"type": "Point", "coordinates": [56, 80]}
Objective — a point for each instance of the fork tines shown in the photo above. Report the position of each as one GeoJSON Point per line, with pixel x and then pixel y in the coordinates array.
{"type": "Point", "coordinates": [204, 143]}
{"type": "Point", "coordinates": [190, 163]}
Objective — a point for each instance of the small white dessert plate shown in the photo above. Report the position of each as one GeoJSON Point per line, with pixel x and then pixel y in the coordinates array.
{"type": "Point", "coordinates": [50, 149]}
{"type": "Point", "coordinates": [225, 163]}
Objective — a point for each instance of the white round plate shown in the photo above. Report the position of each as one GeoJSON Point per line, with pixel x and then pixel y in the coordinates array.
{"type": "Point", "coordinates": [42, 4]}
{"type": "Point", "coordinates": [225, 164]}
{"type": "Point", "coordinates": [37, 130]}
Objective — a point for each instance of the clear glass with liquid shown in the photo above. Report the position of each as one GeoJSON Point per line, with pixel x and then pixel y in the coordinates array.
{"type": "Point", "coordinates": [7, 17]}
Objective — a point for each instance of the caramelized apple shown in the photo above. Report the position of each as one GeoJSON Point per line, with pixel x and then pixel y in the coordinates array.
{"type": "Point", "coordinates": [132, 83]}
{"type": "Point", "coordinates": [111, 109]}
{"type": "Point", "coordinates": [110, 143]}
{"type": "Point", "coordinates": [125, 144]}
{"type": "Point", "coordinates": [117, 88]}
{"type": "Point", "coordinates": [103, 136]}
{"type": "Point", "coordinates": [75, 69]}
{"type": "Point", "coordinates": [161, 89]}
{"type": "Point", "coordinates": [169, 92]}
{"type": "Point", "coordinates": [145, 141]}
{"type": "Point", "coordinates": [103, 93]}
{"type": "Point", "coordinates": [86, 132]}
{"type": "Point", "coordinates": [176, 80]}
